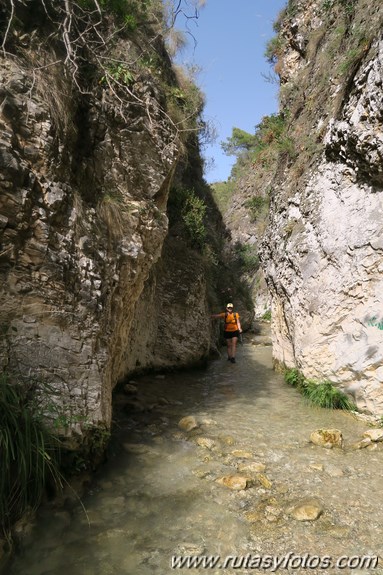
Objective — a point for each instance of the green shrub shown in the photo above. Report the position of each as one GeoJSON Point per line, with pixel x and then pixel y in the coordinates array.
{"type": "Point", "coordinates": [246, 258]}
{"type": "Point", "coordinates": [294, 377]}
{"type": "Point", "coordinates": [185, 206]}
{"type": "Point", "coordinates": [347, 5]}
{"type": "Point", "coordinates": [324, 394]}
{"type": "Point", "coordinates": [185, 103]}
{"type": "Point", "coordinates": [29, 454]}
{"type": "Point", "coordinates": [128, 11]}
{"type": "Point", "coordinates": [274, 49]}
{"type": "Point", "coordinates": [193, 215]}
{"type": "Point", "coordinates": [267, 315]}
{"type": "Point", "coordinates": [258, 206]}
{"type": "Point", "coordinates": [222, 194]}
{"type": "Point", "coordinates": [118, 73]}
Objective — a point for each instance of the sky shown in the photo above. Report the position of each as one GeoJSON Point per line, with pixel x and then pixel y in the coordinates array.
{"type": "Point", "coordinates": [231, 38]}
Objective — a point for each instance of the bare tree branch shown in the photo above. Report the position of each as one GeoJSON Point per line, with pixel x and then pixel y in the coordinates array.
{"type": "Point", "coordinates": [8, 25]}
{"type": "Point", "coordinates": [86, 36]}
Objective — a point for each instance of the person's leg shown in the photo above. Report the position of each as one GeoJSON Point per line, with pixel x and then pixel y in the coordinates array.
{"type": "Point", "coordinates": [229, 342]}
{"type": "Point", "coordinates": [233, 347]}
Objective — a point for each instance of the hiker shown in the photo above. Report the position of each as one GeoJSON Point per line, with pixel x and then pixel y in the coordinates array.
{"type": "Point", "coordinates": [232, 329]}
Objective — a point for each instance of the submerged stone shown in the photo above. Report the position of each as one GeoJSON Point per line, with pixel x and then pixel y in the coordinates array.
{"type": "Point", "coordinates": [327, 438]}
{"type": "Point", "coordinates": [188, 423]}
{"type": "Point", "coordinates": [235, 482]}
{"type": "Point", "coordinates": [374, 434]}
{"type": "Point", "coordinates": [252, 467]}
{"type": "Point", "coordinates": [242, 453]}
{"type": "Point", "coordinates": [306, 510]}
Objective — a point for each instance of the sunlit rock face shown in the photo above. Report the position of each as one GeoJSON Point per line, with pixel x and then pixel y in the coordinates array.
{"type": "Point", "coordinates": [82, 223]}
{"type": "Point", "coordinates": [323, 251]}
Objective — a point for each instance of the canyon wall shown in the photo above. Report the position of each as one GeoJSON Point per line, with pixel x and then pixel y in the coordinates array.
{"type": "Point", "coordinates": [86, 295]}
{"type": "Point", "coordinates": [322, 252]}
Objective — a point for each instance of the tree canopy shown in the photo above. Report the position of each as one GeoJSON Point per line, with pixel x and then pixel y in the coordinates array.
{"type": "Point", "coordinates": [239, 142]}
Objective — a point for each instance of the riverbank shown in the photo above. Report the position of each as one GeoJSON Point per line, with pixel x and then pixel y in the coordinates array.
{"type": "Point", "coordinates": [239, 476]}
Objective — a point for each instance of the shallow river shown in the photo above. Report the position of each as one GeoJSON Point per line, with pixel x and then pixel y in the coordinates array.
{"type": "Point", "coordinates": [159, 494]}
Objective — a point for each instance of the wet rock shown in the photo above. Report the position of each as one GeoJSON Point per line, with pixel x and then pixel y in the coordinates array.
{"type": "Point", "coordinates": [188, 423]}
{"type": "Point", "coordinates": [23, 528]}
{"type": "Point", "coordinates": [104, 484]}
{"type": "Point", "coordinates": [327, 438]}
{"type": "Point", "coordinates": [327, 527]}
{"type": "Point", "coordinates": [366, 442]}
{"type": "Point", "coordinates": [282, 488]}
{"type": "Point", "coordinates": [251, 467]}
{"type": "Point", "coordinates": [253, 516]}
{"type": "Point", "coordinates": [72, 493]}
{"type": "Point", "coordinates": [374, 434]}
{"type": "Point", "coordinates": [194, 433]}
{"type": "Point", "coordinates": [264, 481]}
{"type": "Point", "coordinates": [163, 401]}
{"type": "Point", "coordinates": [135, 405]}
{"type": "Point", "coordinates": [190, 549]}
{"type": "Point", "coordinates": [334, 471]}
{"type": "Point", "coordinates": [228, 440]}
{"type": "Point", "coordinates": [235, 482]}
{"type": "Point", "coordinates": [205, 442]}
{"type": "Point", "coordinates": [272, 513]}
{"type": "Point", "coordinates": [306, 510]}
{"type": "Point", "coordinates": [113, 505]}
{"type": "Point", "coordinates": [207, 459]}
{"type": "Point", "coordinates": [241, 453]}
{"type": "Point", "coordinates": [201, 473]}
{"type": "Point", "coordinates": [139, 448]}
{"type": "Point", "coordinates": [130, 388]}
{"type": "Point", "coordinates": [208, 421]}
{"type": "Point", "coordinates": [316, 466]}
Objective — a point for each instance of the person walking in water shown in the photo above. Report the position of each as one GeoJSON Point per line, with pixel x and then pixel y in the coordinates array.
{"type": "Point", "coordinates": [232, 329]}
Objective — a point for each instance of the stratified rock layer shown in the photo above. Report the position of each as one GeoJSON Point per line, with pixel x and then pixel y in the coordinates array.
{"type": "Point", "coordinates": [83, 219]}
{"type": "Point", "coordinates": [323, 251]}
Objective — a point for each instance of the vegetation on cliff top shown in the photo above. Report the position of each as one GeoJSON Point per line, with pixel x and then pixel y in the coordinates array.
{"type": "Point", "coordinates": [110, 45]}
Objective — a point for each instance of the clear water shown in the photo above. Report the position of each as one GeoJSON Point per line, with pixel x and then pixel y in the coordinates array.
{"type": "Point", "coordinates": [158, 496]}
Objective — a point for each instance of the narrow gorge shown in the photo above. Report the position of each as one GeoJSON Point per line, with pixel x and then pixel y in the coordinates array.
{"type": "Point", "coordinates": [317, 167]}
{"type": "Point", "coordinates": [114, 250]}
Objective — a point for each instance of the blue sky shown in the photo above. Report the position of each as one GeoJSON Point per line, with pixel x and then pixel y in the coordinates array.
{"type": "Point", "coordinates": [231, 40]}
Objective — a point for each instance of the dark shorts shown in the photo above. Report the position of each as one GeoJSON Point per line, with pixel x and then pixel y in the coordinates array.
{"type": "Point", "coordinates": [231, 334]}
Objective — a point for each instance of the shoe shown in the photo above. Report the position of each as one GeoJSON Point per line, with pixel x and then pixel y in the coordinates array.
{"type": "Point", "coordinates": [229, 359]}
{"type": "Point", "coordinates": [232, 360]}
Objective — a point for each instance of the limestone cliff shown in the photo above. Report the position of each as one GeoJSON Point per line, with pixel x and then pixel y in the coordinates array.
{"type": "Point", "coordinates": [90, 138]}
{"type": "Point", "coordinates": [323, 249]}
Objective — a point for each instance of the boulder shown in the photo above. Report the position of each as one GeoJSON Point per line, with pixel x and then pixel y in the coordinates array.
{"type": "Point", "coordinates": [327, 438]}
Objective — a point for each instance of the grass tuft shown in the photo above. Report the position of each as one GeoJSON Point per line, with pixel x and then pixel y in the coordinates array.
{"type": "Point", "coordinates": [322, 394]}
{"type": "Point", "coordinates": [28, 454]}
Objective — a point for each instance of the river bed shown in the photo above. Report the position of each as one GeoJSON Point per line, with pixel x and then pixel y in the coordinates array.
{"type": "Point", "coordinates": [161, 494]}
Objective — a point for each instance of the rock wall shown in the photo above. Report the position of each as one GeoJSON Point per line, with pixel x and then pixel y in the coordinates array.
{"type": "Point", "coordinates": [171, 326]}
{"type": "Point", "coordinates": [83, 194]}
{"type": "Point", "coordinates": [323, 249]}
